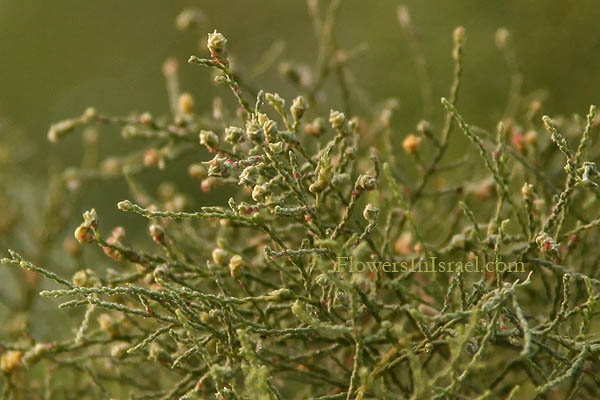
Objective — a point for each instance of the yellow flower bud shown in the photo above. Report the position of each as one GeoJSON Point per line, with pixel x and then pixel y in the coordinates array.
{"type": "Point", "coordinates": [216, 44]}
{"type": "Point", "coordinates": [83, 234]}
{"type": "Point", "coordinates": [209, 139]}
{"type": "Point", "coordinates": [370, 212]}
{"type": "Point", "coordinates": [411, 143]}
{"type": "Point", "coordinates": [236, 264]}
{"type": "Point", "coordinates": [298, 108]}
{"type": "Point", "coordinates": [337, 119]}
{"type": "Point", "coordinates": [10, 361]}
{"type": "Point", "coordinates": [146, 118]}
{"type": "Point", "coordinates": [502, 36]}
{"type": "Point", "coordinates": [258, 193]}
{"type": "Point", "coordinates": [186, 104]}
{"type": "Point", "coordinates": [220, 257]}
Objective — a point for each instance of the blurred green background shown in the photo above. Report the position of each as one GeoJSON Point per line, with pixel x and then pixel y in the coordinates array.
{"type": "Point", "coordinates": [60, 56]}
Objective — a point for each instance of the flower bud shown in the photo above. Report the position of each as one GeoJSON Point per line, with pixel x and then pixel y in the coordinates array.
{"type": "Point", "coordinates": [270, 129]}
{"type": "Point", "coordinates": [90, 218]}
{"type": "Point", "coordinates": [129, 131]}
{"type": "Point", "coordinates": [411, 143]}
{"type": "Point", "coordinates": [68, 125]}
{"type": "Point", "coordinates": [115, 238]}
{"type": "Point", "coordinates": [254, 131]}
{"type": "Point", "coordinates": [298, 108]}
{"type": "Point", "coordinates": [403, 17]}
{"type": "Point", "coordinates": [366, 182]}
{"type": "Point", "coordinates": [209, 139]}
{"type": "Point", "coordinates": [353, 124]}
{"type": "Point", "coordinates": [220, 257]}
{"type": "Point", "coordinates": [262, 118]}
{"type": "Point", "coordinates": [276, 148]}
{"type": "Point", "coordinates": [157, 233]}
{"type": "Point", "coordinates": [459, 35]}
{"type": "Point", "coordinates": [219, 166]}
{"type": "Point", "coordinates": [316, 127]}
{"type": "Point", "coordinates": [236, 264]}
{"type": "Point", "coordinates": [370, 212]}
{"type": "Point", "coordinates": [502, 35]}
{"type": "Point", "coordinates": [517, 139]}
{"type": "Point", "coordinates": [337, 119]}
{"type": "Point", "coordinates": [119, 350]}
{"type": "Point", "coordinates": [146, 119]}
{"type": "Point", "coordinates": [527, 191]}
{"type": "Point", "coordinates": [323, 180]}
{"type": "Point", "coordinates": [531, 137]}
{"type": "Point", "coordinates": [170, 67]}
{"type": "Point", "coordinates": [216, 44]}
{"type": "Point", "coordinates": [424, 127]}
{"type": "Point", "coordinates": [10, 360]}
{"type": "Point", "coordinates": [111, 166]}
{"type": "Point", "coordinates": [88, 114]}
{"type": "Point", "coordinates": [60, 128]}
{"type": "Point", "coordinates": [281, 294]}
{"type": "Point", "coordinates": [259, 192]}
{"type": "Point", "coordinates": [386, 117]}
{"type": "Point", "coordinates": [221, 80]}
{"type": "Point", "coordinates": [545, 243]}
{"type": "Point", "coordinates": [186, 104]}
{"type": "Point", "coordinates": [234, 135]}
{"type": "Point", "coordinates": [275, 100]}
{"type": "Point", "coordinates": [84, 234]}
{"type": "Point", "coordinates": [459, 39]}
{"type": "Point", "coordinates": [153, 158]}
{"type": "Point", "coordinates": [245, 208]}
{"type": "Point", "coordinates": [125, 205]}
{"type": "Point", "coordinates": [197, 171]}
{"type": "Point", "coordinates": [189, 18]}
{"type": "Point", "coordinates": [249, 176]}
{"type": "Point", "coordinates": [208, 183]}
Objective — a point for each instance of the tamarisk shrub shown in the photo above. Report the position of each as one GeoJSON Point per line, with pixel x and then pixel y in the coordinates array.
{"type": "Point", "coordinates": [307, 283]}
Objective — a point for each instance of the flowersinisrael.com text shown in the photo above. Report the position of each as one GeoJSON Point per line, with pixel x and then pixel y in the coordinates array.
{"type": "Point", "coordinates": [430, 264]}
